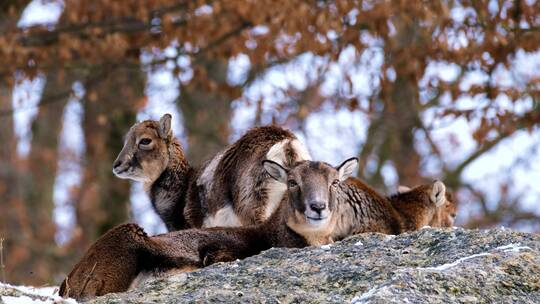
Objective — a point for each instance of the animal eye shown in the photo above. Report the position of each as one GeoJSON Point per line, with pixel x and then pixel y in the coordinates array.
{"type": "Point", "coordinates": [145, 141]}
{"type": "Point", "coordinates": [335, 182]}
{"type": "Point", "coordinates": [291, 183]}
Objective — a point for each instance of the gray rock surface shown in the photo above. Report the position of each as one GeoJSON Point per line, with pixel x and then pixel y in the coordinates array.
{"type": "Point", "coordinates": [431, 265]}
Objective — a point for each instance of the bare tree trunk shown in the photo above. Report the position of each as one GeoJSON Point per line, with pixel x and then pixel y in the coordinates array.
{"type": "Point", "coordinates": [402, 120]}
{"type": "Point", "coordinates": [14, 228]}
{"type": "Point", "coordinates": [13, 220]}
{"type": "Point", "coordinates": [39, 180]}
{"type": "Point", "coordinates": [109, 110]}
{"type": "Point", "coordinates": [391, 135]}
{"type": "Point", "coordinates": [207, 113]}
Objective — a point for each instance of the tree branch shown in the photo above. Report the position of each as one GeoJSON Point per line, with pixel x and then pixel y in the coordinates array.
{"type": "Point", "coordinates": [41, 36]}
{"type": "Point", "coordinates": [57, 97]}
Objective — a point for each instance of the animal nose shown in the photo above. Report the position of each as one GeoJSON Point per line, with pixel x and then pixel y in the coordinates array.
{"type": "Point", "coordinates": [117, 163]}
{"type": "Point", "coordinates": [317, 206]}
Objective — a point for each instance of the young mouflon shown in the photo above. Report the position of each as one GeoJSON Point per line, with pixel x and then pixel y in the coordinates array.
{"type": "Point", "coordinates": [231, 189]}
{"type": "Point", "coordinates": [305, 217]}
{"type": "Point", "coordinates": [362, 209]}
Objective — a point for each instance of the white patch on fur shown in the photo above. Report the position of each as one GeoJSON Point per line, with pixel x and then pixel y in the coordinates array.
{"type": "Point", "coordinates": [301, 150]}
{"type": "Point", "coordinates": [277, 151]}
{"type": "Point", "coordinates": [224, 217]}
{"type": "Point", "coordinates": [403, 189]}
{"type": "Point", "coordinates": [207, 176]}
{"type": "Point", "coordinates": [275, 191]}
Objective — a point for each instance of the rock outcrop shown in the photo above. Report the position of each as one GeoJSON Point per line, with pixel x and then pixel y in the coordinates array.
{"type": "Point", "coordinates": [431, 265]}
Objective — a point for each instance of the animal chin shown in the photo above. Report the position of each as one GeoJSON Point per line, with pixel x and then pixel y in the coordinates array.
{"type": "Point", "coordinates": [121, 174]}
{"type": "Point", "coordinates": [125, 174]}
{"type": "Point", "coordinates": [316, 220]}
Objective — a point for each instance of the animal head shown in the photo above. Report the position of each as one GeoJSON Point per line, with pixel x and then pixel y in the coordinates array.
{"type": "Point", "coordinates": [441, 208]}
{"type": "Point", "coordinates": [146, 150]}
{"type": "Point", "coordinates": [311, 188]}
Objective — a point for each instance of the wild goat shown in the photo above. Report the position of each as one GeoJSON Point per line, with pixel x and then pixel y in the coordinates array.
{"type": "Point", "coordinates": [232, 189]}
{"type": "Point", "coordinates": [362, 209]}
{"type": "Point", "coordinates": [305, 217]}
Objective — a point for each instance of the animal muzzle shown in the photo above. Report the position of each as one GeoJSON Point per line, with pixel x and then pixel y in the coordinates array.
{"type": "Point", "coordinates": [316, 211]}
{"type": "Point", "coordinates": [121, 166]}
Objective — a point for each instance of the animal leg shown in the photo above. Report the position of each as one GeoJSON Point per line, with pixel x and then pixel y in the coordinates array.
{"type": "Point", "coordinates": [110, 264]}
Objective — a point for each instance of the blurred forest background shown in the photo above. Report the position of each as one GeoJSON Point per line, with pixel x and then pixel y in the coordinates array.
{"type": "Point", "coordinates": [417, 89]}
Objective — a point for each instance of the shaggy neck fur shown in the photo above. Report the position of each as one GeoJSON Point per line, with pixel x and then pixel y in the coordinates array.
{"type": "Point", "coordinates": [361, 209]}
{"type": "Point", "coordinates": [168, 191]}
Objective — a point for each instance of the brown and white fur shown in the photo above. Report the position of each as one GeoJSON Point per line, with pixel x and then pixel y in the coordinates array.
{"type": "Point", "coordinates": [231, 189]}
{"type": "Point", "coordinates": [362, 209]}
{"type": "Point", "coordinates": [305, 217]}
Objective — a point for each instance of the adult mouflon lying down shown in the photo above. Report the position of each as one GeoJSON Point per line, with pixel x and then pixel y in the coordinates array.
{"type": "Point", "coordinates": [231, 189]}
{"type": "Point", "coordinates": [305, 217]}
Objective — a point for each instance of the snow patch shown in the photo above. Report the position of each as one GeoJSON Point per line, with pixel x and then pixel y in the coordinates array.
{"type": "Point", "coordinates": [48, 294]}
{"type": "Point", "coordinates": [21, 300]}
{"type": "Point", "coordinates": [513, 247]}
{"type": "Point", "coordinates": [450, 265]}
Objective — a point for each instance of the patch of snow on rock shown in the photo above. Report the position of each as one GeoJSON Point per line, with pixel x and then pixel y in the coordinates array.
{"type": "Point", "coordinates": [45, 295]}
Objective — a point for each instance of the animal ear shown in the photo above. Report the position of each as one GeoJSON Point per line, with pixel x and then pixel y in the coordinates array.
{"type": "Point", "coordinates": [164, 130]}
{"type": "Point", "coordinates": [347, 168]}
{"type": "Point", "coordinates": [403, 189]}
{"type": "Point", "coordinates": [275, 170]}
{"type": "Point", "coordinates": [438, 193]}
